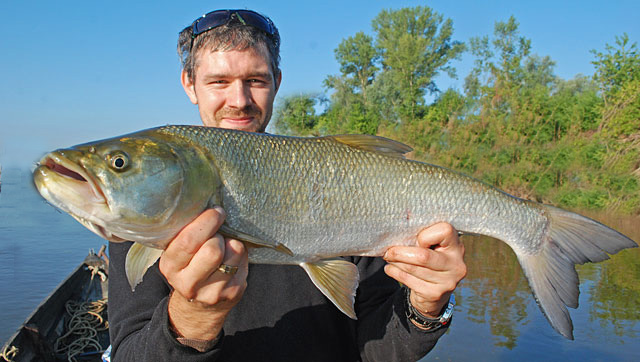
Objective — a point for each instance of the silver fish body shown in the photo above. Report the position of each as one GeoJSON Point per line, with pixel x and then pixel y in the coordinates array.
{"type": "Point", "coordinates": [306, 201]}
{"type": "Point", "coordinates": [322, 199]}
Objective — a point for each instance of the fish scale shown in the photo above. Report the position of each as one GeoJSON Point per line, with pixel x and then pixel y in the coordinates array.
{"type": "Point", "coordinates": [307, 201]}
{"type": "Point", "coordinates": [345, 187]}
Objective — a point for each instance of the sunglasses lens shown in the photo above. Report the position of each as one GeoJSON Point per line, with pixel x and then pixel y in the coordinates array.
{"type": "Point", "coordinates": [210, 21]}
{"type": "Point", "coordinates": [256, 20]}
{"type": "Point", "coordinates": [217, 18]}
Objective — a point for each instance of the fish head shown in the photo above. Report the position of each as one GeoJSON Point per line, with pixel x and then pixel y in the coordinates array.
{"type": "Point", "coordinates": [126, 188]}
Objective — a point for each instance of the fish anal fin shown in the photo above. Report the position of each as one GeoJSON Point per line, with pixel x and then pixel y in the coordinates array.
{"type": "Point", "coordinates": [337, 279]}
{"type": "Point", "coordinates": [139, 259]}
{"type": "Point", "coordinates": [252, 240]}
{"type": "Point", "coordinates": [374, 144]}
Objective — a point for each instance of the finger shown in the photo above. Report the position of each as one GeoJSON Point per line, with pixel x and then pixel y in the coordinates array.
{"type": "Point", "coordinates": [204, 262]}
{"type": "Point", "coordinates": [417, 256]}
{"type": "Point", "coordinates": [182, 248]}
{"type": "Point", "coordinates": [407, 279]}
{"type": "Point", "coordinates": [227, 287]}
{"type": "Point", "coordinates": [438, 235]}
{"type": "Point", "coordinates": [422, 273]}
{"type": "Point", "coordinates": [431, 287]}
{"type": "Point", "coordinates": [235, 253]}
{"type": "Point", "coordinates": [234, 256]}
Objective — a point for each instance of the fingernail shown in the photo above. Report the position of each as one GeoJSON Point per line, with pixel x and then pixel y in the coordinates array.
{"type": "Point", "coordinates": [220, 210]}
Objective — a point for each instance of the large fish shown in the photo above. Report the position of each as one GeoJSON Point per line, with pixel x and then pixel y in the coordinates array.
{"type": "Point", "coordinates": [307, 201]}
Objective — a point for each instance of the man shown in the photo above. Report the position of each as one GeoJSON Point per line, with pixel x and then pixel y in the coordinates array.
{"type": "Point", "coordinates": [203, 302]}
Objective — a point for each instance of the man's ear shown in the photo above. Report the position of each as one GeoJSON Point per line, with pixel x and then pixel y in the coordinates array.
{"type": "Point", "coordinates": [278, 80]}
{"type": "Point", "coordinates": [189, 86]}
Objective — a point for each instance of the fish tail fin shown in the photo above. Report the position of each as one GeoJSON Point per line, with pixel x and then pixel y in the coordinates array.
{"type": "Point", "coordinates": [570, 239]}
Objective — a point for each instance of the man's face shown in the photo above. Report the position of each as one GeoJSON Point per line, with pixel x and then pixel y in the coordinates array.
{"type": "Point", "coordinates": [233, 89]}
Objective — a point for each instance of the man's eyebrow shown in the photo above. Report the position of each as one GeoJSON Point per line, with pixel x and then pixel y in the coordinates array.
{"type": "Point", "coordinates": [260, 75]}
{"type": "Point", "coordinates": [265, 75]}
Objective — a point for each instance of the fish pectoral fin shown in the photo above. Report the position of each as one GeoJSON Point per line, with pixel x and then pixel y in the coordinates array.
{"type": "Point", "coordinates": [139, 259]}
{"type": "Point", "coordinates": [252, 240]}
{"type": "Point", "coordinates": [374, 144]}
{"type": "Point", "coordinates": [337, 279]}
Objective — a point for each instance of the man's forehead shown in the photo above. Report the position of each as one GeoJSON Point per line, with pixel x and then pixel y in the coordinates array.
{"type": "Point", "coordinates": [256, 58]}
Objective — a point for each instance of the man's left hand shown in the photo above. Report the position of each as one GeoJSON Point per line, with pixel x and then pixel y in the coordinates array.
{"type": "Point", "coordinates": [432, 269]}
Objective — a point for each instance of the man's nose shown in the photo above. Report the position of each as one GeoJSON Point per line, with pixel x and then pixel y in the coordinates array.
{"type": "Point", "coordinates": [240, 95]}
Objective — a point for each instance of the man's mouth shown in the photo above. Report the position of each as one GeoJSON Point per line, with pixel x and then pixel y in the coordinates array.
{"type": "Point", "coordinates": [242, 120]}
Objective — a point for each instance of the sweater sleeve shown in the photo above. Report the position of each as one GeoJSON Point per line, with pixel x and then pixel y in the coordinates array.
{"type": "Point", "coordinates": [139, 321]}
{"type": "Point", "coordinates": [384, 333]}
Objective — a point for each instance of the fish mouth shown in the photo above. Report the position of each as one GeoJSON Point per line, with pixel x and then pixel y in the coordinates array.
{"type": "Point", "coordinates": [68, 186]}
{"type": "Point", "coordinates": [74, 176]}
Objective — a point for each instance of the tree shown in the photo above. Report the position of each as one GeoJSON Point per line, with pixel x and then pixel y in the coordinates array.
{"type": "Point", "coordinates": [416, 46]}
{"type": "Point", "coordinates": [350, 108]}
{"type": "Point", "coordinates": [296, 115]}
{"type": "Point", "coordinates": [357, 58]}
{"type": "Point", "coordinates": [618, 75]}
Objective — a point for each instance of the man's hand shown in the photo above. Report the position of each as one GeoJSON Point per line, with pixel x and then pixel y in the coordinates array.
{"type": "Point", "coordinates": [203, 296]}
{"type": "Point", "coordinates": [432, 269]}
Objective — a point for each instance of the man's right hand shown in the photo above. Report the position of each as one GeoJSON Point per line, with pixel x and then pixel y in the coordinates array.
{"type": "Point", "coordinates": [203, 296]}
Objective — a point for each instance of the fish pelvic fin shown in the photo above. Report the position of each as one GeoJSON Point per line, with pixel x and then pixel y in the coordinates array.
{"type": "Point", "coordinates": [252, 241]}
{"type": "Point", "coordinates": [139, 259]}
{"type": "Point", "coordinates": [337, 279]}
{"type": "Point", "coordinates": [570, 239]}
{"type": "Point", "coordinates": [374, 144]}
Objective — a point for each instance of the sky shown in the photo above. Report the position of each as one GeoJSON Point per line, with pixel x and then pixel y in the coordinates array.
{"type": "Point", "coordinates": [77, 71]}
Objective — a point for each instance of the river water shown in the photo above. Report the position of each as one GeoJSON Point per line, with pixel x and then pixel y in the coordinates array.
{"type": "Point", "coordinates": [496, 318]}
{"type": "Point", "coordinates": [39, 247]}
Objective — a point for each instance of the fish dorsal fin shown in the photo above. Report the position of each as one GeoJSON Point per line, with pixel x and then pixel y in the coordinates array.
{"type": "Point", "coordinates": [252, 240]}
{"type": "Point", "coordinates": [337, 279]}
{"type": "Point", "coordinates": [139, 259]}
{"type": "Point", "coordinates": [376, 144]}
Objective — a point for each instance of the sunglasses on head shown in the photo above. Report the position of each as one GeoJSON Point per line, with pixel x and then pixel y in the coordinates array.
{"type": "Point", "coordinates": [218, 18]}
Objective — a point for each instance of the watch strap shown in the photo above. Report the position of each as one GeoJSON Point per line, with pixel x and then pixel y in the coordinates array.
{"type": "Point", "coordinates": [426, 323]}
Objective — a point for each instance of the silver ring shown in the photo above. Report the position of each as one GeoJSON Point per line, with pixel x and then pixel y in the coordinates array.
{"type": "Point", "coordinates": [227, 269]}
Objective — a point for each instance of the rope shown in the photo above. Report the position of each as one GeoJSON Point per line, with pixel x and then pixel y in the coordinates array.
{"type": "Point", "coordinates": [8, 353]}
{"type": "Point", "coordinates": [96, 270]}
{"type": "Point", "coordinates": [83, 327]}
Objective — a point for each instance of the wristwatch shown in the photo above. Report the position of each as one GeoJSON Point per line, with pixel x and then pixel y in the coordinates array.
{"type": "Point", "coordinates": [429, 324]}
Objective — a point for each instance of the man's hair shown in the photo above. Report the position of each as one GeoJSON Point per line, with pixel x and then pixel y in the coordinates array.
{"type": "Point", "coordinates": [231, 36]}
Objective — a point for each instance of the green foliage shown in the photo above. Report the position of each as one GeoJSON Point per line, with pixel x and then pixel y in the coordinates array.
{"type": "Point", "coordinates": [618, 75]}
{"type": "Point", "coordinates": [575, 143]}
{"type": "Point", "coordinates": [296, 115]}
{"type": "Point", "coordinates": [415, 46]}
{"type": "Point", "coordinates": [357, 57]}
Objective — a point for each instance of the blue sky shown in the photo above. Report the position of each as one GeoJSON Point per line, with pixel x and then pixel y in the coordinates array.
{"type": "Point", "coordinates": [75, 71]}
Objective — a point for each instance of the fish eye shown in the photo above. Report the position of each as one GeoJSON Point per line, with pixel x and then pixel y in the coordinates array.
{"type": "Point", "coordinates": [119, 161]}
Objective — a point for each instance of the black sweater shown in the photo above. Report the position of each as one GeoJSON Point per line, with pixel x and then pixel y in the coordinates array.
{"type": "Point", "coordinates": [281, 317]}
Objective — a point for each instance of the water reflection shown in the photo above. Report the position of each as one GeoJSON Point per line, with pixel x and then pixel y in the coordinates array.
{"type": "Point", "coordinates": [615, 294]}
{"type": "Point", "coordinates": [495, 298]}
{"type": "Point", "coordinates": [496, 291]}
